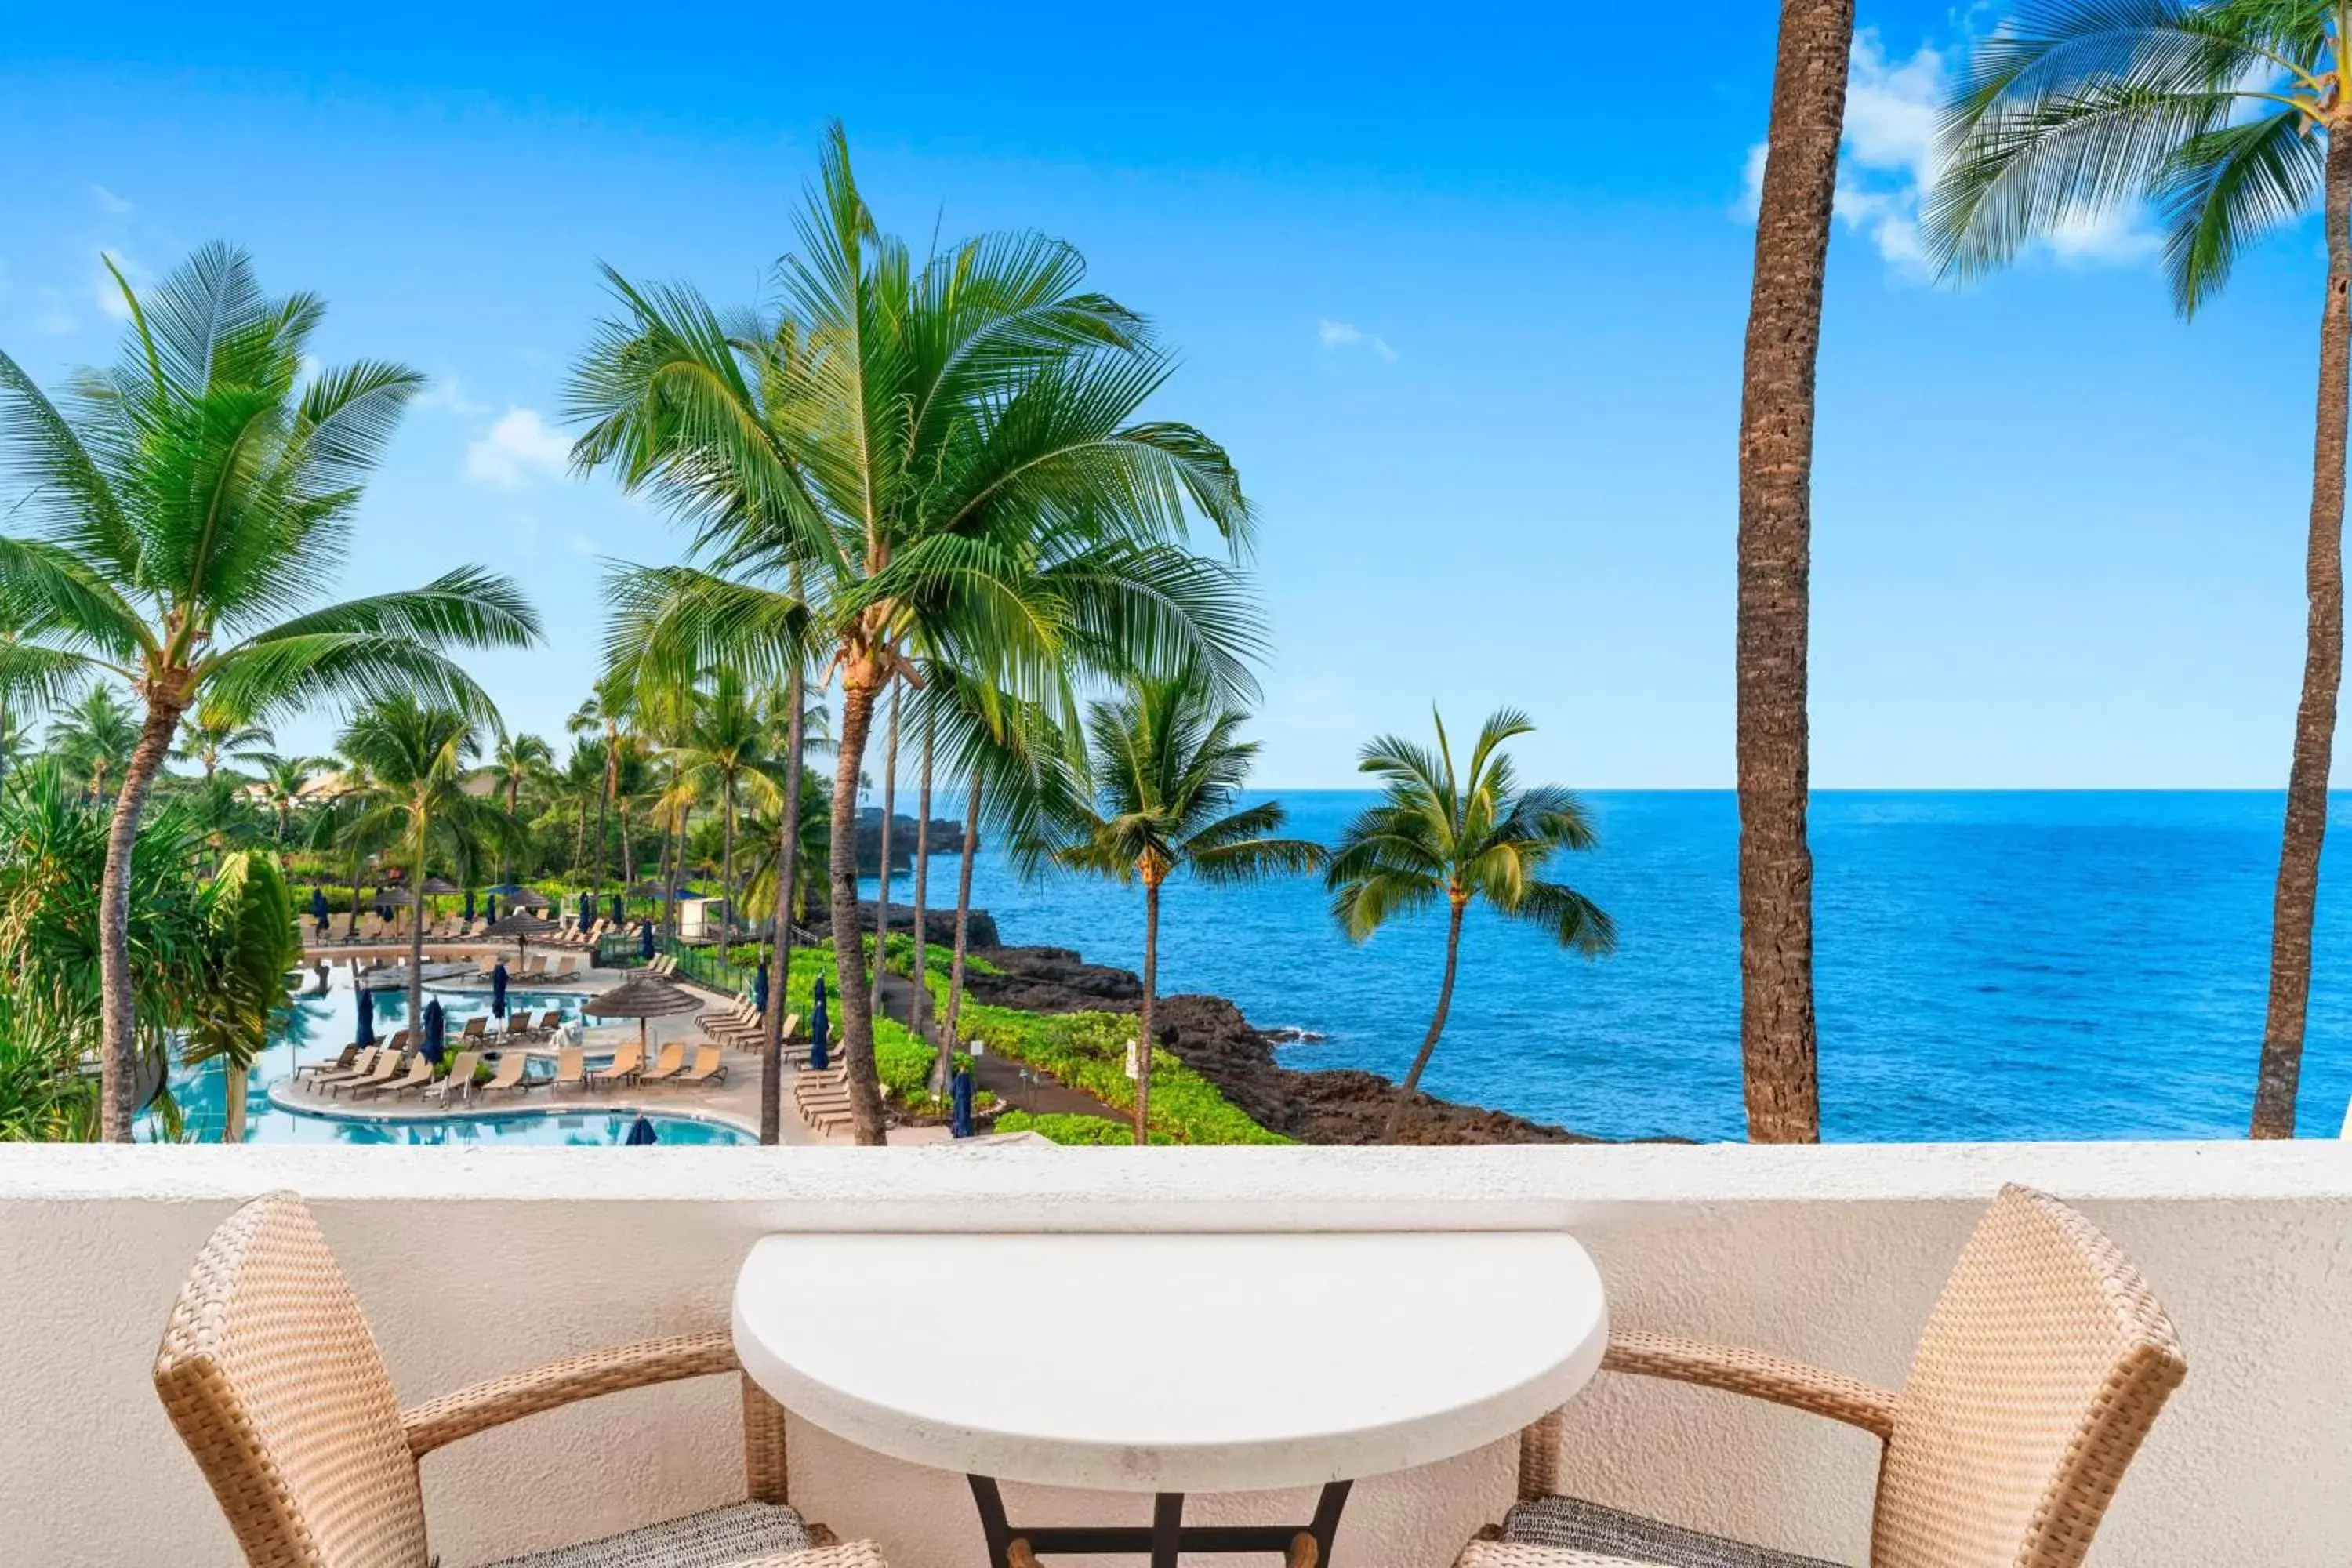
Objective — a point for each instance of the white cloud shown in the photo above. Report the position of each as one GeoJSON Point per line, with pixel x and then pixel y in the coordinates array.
{"type": "Point", "coordinates": [516, 450]}
{"type": "Point", "coordinates": [1337, 335]}
{"type": "Point", "coordinates": [1889, 163]}
{"type": "Point", "coordinates": [448, 395]}
{"type": "Point", "coordinates": [582, 545]}
{"type": "Point", "coordinates": [108, 203]}
{"type": "Point", "coordinates": [51, 317]}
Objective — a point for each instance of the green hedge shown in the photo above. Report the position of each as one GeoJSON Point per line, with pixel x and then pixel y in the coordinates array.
{"type": "Point", "coordinates": [1088, 1052]}
{"type": "Point", "coordinates": [1077, 1132]}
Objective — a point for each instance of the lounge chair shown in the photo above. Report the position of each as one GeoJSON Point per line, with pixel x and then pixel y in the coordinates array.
{"type": "Point", "coordinates": [530, 969]}
{"type": "Point", "coordinates": [361, 1064]}
{"type": "Point", "coordinates": [2042, 1367]}
{"type": "Point", "coordinates": [708, 1067]}
{"type": "Point", "coordinates": [510, 1075]}
{"type": "Point", "coordinates": [477, 1030]}
{"type": "Point", "coordinates": [459, 1084]}
{"type": "Point", "coordinates": [550, 1021]}
{"type": "Point", "coordinates": [342, 1062]}
{"type": "Point", "coordinates": [627, 1063]}
{"type": "Point", "coordinates": [419, 1076]}
{"type": "Point", "coordinates": [571, 1069]}
{"type": "Point", "coordinates": [387, 1062]}
{"type": "Point", "coordinates": [668, 1066]}
{"type": "Point", "coordinates": [270, 1374]}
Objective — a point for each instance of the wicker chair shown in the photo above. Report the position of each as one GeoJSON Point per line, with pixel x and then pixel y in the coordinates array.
{"type": "Point", "coordinates": [2041, 1368]}
{"type": "Point", "coordinates": [270, 1374]}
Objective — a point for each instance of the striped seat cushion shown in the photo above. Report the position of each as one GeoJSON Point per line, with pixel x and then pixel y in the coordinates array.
{"type": "Point", "coordinates": [715, 1538]}
{"type": "Point", "coordinates": [1571, 1524]}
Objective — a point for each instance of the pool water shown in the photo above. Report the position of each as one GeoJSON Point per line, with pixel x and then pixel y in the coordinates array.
{"type": "Point", "coordinates": [318, 1026]}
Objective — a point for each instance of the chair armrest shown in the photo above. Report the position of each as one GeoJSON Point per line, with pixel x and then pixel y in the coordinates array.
{"type": "Point", "coordinates": [503, 1399]}
{"type": "Point", "coordinates": [847, 1554]}
{"type": "Point", "coordinates": [1758, 1373]}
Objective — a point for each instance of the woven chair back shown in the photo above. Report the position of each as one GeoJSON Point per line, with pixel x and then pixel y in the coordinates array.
{"type": "Point", "coordinates": [2039, 1371]}
{"type": "Point", "coordinates": [269, 1373]}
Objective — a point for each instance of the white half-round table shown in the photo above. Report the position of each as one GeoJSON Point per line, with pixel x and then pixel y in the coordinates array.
{"type": "Point", "coordinates": [1172, 1363]}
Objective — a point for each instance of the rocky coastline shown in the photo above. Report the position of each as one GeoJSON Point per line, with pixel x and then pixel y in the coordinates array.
{"type": "Point", "coordinates": [1208, 1034]}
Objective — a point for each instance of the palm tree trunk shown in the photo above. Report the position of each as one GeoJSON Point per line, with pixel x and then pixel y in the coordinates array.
{"type": "Point", "coordinates": [1776, 1039]}
{"type": "Point", "coordinates": [857, 699]}
{"type": "Point", "coordinates": [416, 937]}
{"type": "Point", "coordinates": [882, 885]}
{"type": "Point", "coordinates": [233, 1111]}
{"type": "Point", "coordinates": [1411, 1085]}
{"type": "Point", "coordinates": [726, 851]}
{"type": "Point", "coordinates": [922, 884]}
{"type": "Point", "coordinates": [667, 904]}
{"type": "Point", "coordinates": [1143, 1010]}
{"type": "Point", "coordinates": [2297, 895]}
{"type": "Point", "coordinates": [119, 1057]}
{"type": "Point", "coordinates": [788, 847]}
{"type": "Point", "coordinates": [963, 908]}
{"type": "Point", "coordinates": [628, 864]}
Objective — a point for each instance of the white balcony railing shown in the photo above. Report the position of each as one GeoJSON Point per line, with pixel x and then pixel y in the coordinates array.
{"type": "Point", "coordinates": [470, 1263]}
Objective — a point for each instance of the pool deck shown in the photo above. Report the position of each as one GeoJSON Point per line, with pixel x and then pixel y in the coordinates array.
{"type": "Point", "coordinates": [734, 1102]}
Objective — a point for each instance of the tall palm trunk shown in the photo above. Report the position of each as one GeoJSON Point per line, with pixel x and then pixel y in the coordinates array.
{"type": "Point", "coordinates": [417, 935]}
{"type": "Point", "coordinates": [727, 848]}
{"type": "Point", "coordinates": [1411, 1085]}
{"type": "Point", "coordinates": [858, 699]}
{"type": "Point", "coordinates": [914, 1007]}
{"type": "Point", "coordinates": [1143, 1009]}
{"type": "Point", "coordinates": [628, 861]}
{"type": "Point", "coordinates": [119, 1059]}
{"type": "Point", "coordinates": [235, 1076]}
{"type": "Point", "coordinates": [667, 903]}
{"type": "Point", "coordinates": [882, 886]}
{"type": "Point", "coordinates": [2297, 895]}
{"type": "Point", "coordinates": [963, 908]}
{"type": "Point", "coordinates": [788, 850]}
{"type": "Point", "coordinates": [1776, 1039]}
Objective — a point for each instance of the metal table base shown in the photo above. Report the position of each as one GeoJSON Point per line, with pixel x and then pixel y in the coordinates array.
{"type": "Point", "coordinates": [1304, 1545]}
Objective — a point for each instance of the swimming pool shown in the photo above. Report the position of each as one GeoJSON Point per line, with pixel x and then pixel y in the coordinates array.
{"type": "Point", "coordinates": [318, 1026]}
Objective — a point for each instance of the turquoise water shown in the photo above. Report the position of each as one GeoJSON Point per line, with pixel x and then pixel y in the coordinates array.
{"type": "Point", "coordinates": [319, 1027]}
{"type": "Point", "coordinates": [1990, 966]}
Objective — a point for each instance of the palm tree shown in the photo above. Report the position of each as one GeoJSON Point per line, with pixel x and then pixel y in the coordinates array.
{"type": "Point", "coordinates": [606, 715]}
{"type": "Point", "coordinates": [580, 785]}
{"type": "Point", "coordinates": [255, 942]}
{"type": "Point", "coordinates": [1465, 839]}
{"type": "Point", "coordinates": [415, 757]}
{"type": "Point", "coordinates": [723, 753]}
{"type": "Point", "coordinates": [94, 739]}
{"type": "Point", "coordinates": [215, 731]}
{"type": "Point", "coordinates": [182, 502]}
{"type": "Point", "coordinates": [2223, 114]}
{"type": "Point", "coordinates": [1778, 1045]}
{"type": "Point", "coordinates": [519, 759]}
{"type": "Point", "coordinates": [283, 783]}
{"type": "Point", "coordinates": [1165, 769]}
{"type": "Point", "coordinates": [931, 443]}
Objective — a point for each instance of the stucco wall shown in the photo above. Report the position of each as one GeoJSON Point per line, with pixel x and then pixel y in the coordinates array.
{"type": "Point", "coordinates": [473, 1262]}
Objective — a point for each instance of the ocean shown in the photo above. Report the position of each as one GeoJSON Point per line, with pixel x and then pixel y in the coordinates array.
{"type": "Point", "coordinates": [1990, 966]}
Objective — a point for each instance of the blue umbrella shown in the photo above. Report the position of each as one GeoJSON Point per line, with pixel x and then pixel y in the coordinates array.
{"type": "Point", "coordinates": [817, 1057]}
{"type": "Point", "coordinates": [645, 939]}
{"type": "Point", "coordinates": [494, 906]}
{"type": "Point", "coordinates": [760, 989]}
{"type": "Point", "coordinates": [319, 906]}
{"type": "Point", "coordinates": [642, 1132]}
{"type": "Point", "coordinates": [469, 906]}
{"type": "Point", "coordinates": [367, 1017]}
{"type": "Point", "coordinates": [499, 989]}
{"type": "Point", "coordinates": [960, 1098]}
{"type": "Point", "coordinates": [620, 912]}
{"type": "Point", "coordinates": [432, 1046]}
{"type": "Point", "coordinates": [587, 909]}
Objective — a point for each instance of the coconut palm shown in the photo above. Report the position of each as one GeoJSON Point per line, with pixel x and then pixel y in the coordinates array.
{"type": "Point", "coordinates": [285, 781]}
{"type": "Point", "coordinates": [1164, 770]}
{"type": "Point", "coordinates": [1466, 837]}
{"type": "Point", "coordinates": [416, 758]}
{"type": "Point", "coordinates": [723, 755]}
{"type": "Point", "coordinates": [2223, 115]}
{"type": "Point", "coordinates": [926, 442]}
{"type": "Point", "coordinates": [213, 731]}
{"type": "Point", "coordinates": [186, 505]}
{"type": "Point", "coordinates": [254, 940]}
{"type": "Point", "coordinates": [518, 759]}
{"type": "Point", "coordinates": [606, 715]}
{"type": "Point", "coordinates": [94, 738]}
{"type": "Point", "coordinates": [1777, 1037]}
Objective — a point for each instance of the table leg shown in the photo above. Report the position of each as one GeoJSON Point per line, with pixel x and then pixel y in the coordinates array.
{"type": "Point", "coordinates": [1167, 1538]}
{"type": "Point", "coordinates": [1166, 1528]}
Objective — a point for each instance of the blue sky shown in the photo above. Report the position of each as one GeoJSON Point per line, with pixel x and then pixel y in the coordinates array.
{"type": "Point", "coordinates": [1463, 293]}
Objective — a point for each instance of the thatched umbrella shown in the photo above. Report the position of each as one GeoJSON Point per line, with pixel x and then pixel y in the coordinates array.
{"type": "Point", "coordinates": [519, 927]}
{"type": "Point", "coordinates": [646, 996]}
